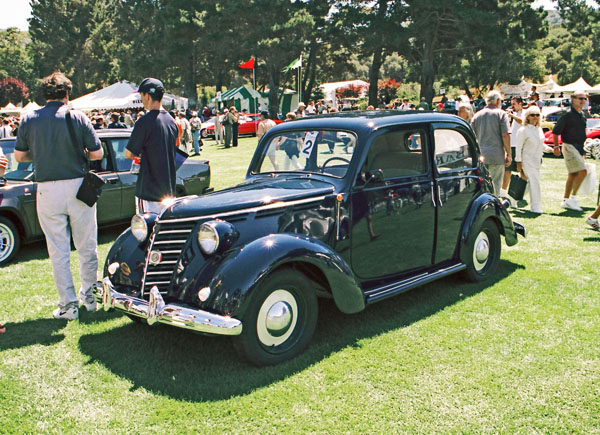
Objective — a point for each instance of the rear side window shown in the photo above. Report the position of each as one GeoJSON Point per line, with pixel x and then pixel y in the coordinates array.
{"type": "Point", "coordinates": [452, 151]}
{"type": "Point", "coordinates": [398, 153]}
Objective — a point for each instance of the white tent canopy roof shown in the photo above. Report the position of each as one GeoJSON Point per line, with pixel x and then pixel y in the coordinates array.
{"type": "Point", "coordinates": [579, 85]}
{"type": "Point", "coordinates": [31, 106]}
{"type": "Point", "coordinates": [121, 95]}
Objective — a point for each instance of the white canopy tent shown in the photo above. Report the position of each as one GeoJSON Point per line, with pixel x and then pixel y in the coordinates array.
{"type": "Point", "coordinates": [122, 95]}
{"type": "Point", "coordinates": [11, 109]}
{"type": "Point", "coordinates": [580, 85]}
{"type": "Point", "coordinates": [31, 106]}
{"type": "Point", "coordinates": [595, 89]}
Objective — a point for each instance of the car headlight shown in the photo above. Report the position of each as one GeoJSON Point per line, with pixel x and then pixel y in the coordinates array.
{"type": "Point", "coordinates": [208, 238]}
{"type": "Point", "coordinates": [139, 227]}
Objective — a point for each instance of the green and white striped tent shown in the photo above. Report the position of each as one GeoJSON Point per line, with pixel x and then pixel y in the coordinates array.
{"type": "Point", "coordinates": [242, 98]}
{"type": "Point", "coordinates": [246, 98]}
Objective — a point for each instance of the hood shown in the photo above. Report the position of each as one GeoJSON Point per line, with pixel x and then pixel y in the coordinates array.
{"type": "Point", "coordinates": [255, 193]}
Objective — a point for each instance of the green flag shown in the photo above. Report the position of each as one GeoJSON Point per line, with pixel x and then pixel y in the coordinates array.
{"type": "Point", "coordinates": [296, 63]}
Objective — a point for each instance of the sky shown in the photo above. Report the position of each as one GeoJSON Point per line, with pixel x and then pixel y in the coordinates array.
{"type": "Point", "coordinates": [16, 12]}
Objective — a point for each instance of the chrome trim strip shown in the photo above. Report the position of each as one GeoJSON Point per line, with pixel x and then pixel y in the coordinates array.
{"type": "Point", "coordinates": [157, 311]}
{"type": "Point", "coordinates": [164, 272]}
{"type": "Point", "coordinates": [278, 204]}
{"type": "Point", "coordinates": [386, 291]}
{"type": "Point", "coordinates": [157, 282]}
{"type": "Point", "coordinates": [176, 231]}
{"type": "Point", "coordinates": [169, 242]}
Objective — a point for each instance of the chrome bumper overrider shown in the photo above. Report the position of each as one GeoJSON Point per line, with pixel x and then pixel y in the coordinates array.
{"type": "Point", "coordinates": [175, 315]}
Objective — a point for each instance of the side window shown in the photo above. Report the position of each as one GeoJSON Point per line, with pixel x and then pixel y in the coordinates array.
{"type": "Point", "coordinates": [104, 164]}
{"type": "Point", "coordinates": [398, 153]}
{"type": "Point", "coordinates": [452, 151]}
{"type": "Point", "coordinates": [118, 146]}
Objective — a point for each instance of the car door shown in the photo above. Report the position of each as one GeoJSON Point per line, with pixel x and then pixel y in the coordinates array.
{"type": "Point", "coordinates": [127, 179]}
{"type": "Point", "coordinates": [109, 204]}
{"type": "Point", "coordinates": [393, 215]}
{"type": "Point", "coordinates": [456, 184]}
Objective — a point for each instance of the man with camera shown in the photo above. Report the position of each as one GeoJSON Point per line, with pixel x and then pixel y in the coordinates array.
{"type": "Point", "coordinates": [44, 139]}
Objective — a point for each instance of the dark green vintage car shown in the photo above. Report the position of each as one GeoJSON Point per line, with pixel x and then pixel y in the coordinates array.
{"type": "Point", "coordinates": [18, 218]}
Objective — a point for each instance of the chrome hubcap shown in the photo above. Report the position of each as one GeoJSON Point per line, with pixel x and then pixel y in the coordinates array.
{"type": "Point", "coordinates": [277, 318]}
{"type": "Point", "coordinates": [7, 241]}
{"type": "Point", "coordinates": [481, 253]}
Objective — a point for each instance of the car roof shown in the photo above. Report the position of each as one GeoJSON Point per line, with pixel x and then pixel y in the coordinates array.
{"type": "Point", "coordinates": [371, 119]}
{"type": "Point", "coordinates": [106, 132]}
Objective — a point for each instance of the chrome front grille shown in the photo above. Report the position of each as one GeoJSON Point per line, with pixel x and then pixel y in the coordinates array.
{"type": "Point", "coordinates": [168, 238]}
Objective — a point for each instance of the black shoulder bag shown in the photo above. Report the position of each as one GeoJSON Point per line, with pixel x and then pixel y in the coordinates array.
{"type": "Point", "coordinates": [91, 187]}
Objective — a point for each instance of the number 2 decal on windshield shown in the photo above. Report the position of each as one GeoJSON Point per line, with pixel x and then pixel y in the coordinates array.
{"type": "Point", "coordinates": [309, 143]}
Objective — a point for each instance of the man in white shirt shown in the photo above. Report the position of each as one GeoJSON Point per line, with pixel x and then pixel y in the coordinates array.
{"type": "Point", "coordinates": [516, 115]}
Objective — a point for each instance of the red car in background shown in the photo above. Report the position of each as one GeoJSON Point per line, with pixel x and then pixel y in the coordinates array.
{"type": "Point", "coordinates": [248, 125]}
{"type": "Point", "coordinates": [592, 131]}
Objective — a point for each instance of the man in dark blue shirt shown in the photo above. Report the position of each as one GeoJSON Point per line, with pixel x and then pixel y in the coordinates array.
{"type": "Point", "coordinates": [153, 141]}
{"type": "Point", "coordinates": [571, 128]}
{"type": "Point", "coordinates": [44, 139]}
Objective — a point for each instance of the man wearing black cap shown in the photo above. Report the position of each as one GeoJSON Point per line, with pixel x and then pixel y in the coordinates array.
{"type": "Point", "coordinates": [153, 141]}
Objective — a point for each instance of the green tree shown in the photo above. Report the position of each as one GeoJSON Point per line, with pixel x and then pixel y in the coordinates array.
{"type": "Point", "coordinates": [470, 42]}
{"type": "Point", "coordinates": [14, 58]}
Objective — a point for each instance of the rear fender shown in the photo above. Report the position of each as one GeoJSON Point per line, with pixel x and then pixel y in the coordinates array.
{"type": "Point", "coordinates": [245, 269]}
{"type": "Point", "coordinates": [486, 206]}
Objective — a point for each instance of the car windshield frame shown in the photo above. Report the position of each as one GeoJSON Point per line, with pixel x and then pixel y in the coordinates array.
{"type": "Point", "coordinates": [307, 158]}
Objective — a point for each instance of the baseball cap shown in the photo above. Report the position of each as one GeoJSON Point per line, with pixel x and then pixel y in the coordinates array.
{"type": "Point", "coordinates": [151, 86]}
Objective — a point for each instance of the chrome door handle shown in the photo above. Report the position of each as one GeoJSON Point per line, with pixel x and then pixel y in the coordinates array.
{"type": "Point", "coordinates": [440, 195]}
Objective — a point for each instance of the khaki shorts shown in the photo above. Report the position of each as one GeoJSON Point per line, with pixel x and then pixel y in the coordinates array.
{"type": "Point", "coordinates": [573, 159]}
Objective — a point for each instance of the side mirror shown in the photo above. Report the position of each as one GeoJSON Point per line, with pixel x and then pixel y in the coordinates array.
{"type": "Point", "coordinates": [369, 177]}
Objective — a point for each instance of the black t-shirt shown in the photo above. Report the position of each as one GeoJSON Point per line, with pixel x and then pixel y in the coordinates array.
{"type": "Point", "coordinates": [571, 127]}
{"type": "Point", "coordinates": [153, 138]}
{"type": "Point", "coordinates": [117, 125]}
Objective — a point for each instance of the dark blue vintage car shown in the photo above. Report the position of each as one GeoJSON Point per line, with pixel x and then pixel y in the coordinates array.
{"type": "Point", "coordinates": [355, 207]}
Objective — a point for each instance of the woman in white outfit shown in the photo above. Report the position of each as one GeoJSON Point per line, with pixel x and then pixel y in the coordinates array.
{"type": "Point", "coordinates": [528, 154]}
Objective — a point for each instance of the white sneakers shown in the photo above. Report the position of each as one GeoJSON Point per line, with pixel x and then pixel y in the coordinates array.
{"type": "Point", "coordinates": [88, 302]}
{"type": "Point", "coordinates": [592, 223]}
{"type": "Point", "coordinates": [71, 313]}
{"type": "Point", "coordinates": [571, 204]}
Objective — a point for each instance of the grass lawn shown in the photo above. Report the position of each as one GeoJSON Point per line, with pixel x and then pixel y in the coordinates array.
{"type": "Point", "coordinates": [518, 354]}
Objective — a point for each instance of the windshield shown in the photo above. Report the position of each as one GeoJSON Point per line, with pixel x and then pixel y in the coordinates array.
{"type": "Point", "coordinates": [15, 170]}
{"type": "Point", "coordinates": [328, 152]}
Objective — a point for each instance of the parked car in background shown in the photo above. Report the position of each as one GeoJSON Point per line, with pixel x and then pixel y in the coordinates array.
{"type": "Point", "coordinates": [18, 217]}
{"type": "Point", "coordinates": [554, 105]}
{"type": "Point", "coordinates": [592, 131]}
{"type": "Point", "coordinates": [355, 207]}
{"type": "Point", "coordinates": [248, 125]}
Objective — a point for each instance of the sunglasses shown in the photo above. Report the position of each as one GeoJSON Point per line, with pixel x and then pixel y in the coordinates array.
{"type": "Point", "coordinates": [580, 98]}
{"type": "Point", "coordinates": [535, 114]}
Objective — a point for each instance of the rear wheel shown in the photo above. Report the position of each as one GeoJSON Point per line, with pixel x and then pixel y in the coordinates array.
{"type": "Point", "coordinates": [280, 320]}
{"type": "Point", "coordinates": [203, 133]}
{"type": "Point", "coordinates": [10, 240]}
{"type": "Point", "coordinates": [484, 252]}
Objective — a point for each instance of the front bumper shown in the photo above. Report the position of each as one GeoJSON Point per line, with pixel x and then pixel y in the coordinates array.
{"type": "Point", "coordinates": [156, 311]}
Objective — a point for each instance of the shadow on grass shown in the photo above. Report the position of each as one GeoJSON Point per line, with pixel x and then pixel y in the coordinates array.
{"type": "Point", "coordinates": [527, 214]}
{"type": "Point", "coordinates": [31, 332]}
{"type": "Point", "coordinates": [187, 366]}
{"type": "Point", "coordinates": [37, 250]}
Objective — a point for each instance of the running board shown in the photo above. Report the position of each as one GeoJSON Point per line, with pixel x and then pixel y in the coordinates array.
{"type": "Point", "coordinates": [389, 290]}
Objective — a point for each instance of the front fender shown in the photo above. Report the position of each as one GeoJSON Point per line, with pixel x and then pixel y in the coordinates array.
{"type": "Point", "coordinates": [245, 268]}
{"type": "Point", "coordinates": [484, 207]}
{"type": "Point", "coordinates": [131, 256]}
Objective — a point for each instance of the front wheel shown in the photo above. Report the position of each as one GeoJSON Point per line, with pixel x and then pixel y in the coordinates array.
{"type": "Point", "coordinates": [280, 319]}
{"type": "Point", "coordinates": [203, 133]}
{"type": "Point", "coordinates": [484, 252]}
{"type": "Point", "coordinates": [10, 240]}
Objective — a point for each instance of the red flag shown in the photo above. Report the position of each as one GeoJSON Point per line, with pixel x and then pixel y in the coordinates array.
{"type": "Point", "coordinates": [248, 65]}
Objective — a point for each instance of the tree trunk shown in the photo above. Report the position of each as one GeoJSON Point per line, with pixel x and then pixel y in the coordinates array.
{"type": "Point", "coordinates": [378, 57]}
{"type": "Point", "coordinates": [274, 91]}
{"type": "Point", "coordinates": [190, 82]}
